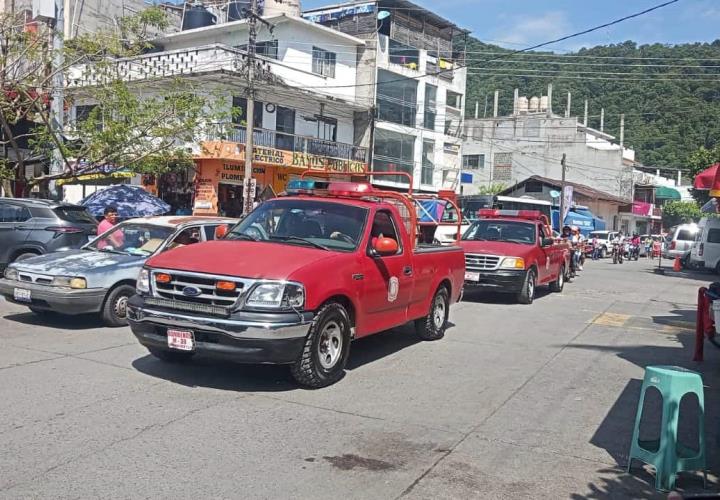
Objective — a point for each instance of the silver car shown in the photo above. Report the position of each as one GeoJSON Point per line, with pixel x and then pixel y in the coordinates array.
{"type": "Point", "coordinates": [100, 277]}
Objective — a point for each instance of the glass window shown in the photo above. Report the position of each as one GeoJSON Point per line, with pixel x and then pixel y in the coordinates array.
{"type": "Point", "coordinates": [428, 163]}
{"type": "Point", "coordinates": [685, 235]}
{"type": "Point", "coordinates": [267, 49]}
{"type": "Point", "coordinates": [323, 62]}
{"type": "Point", "coordinates": [492, 230]}
{"type": "Point", "coordinates": [13, 213]}
{"type": "Point", "coordinates": [430, 106]}
{"type": "Point", "coordinates": [473, 162]}
{"type": "Point", "coordinates": [325, 225]}
{"type": "Point", "coordinates": [186, 237]}
{"type": "Point", "coordinates": [396, 98]}
{"type": "Point", "coordinates": [454, 100]}
{"type": "Point", "coordinates": [384, 226]}
{"type": "Point", "coordinates": [404, 55]}
{"type": "Point", "coordinates": [394, 152]}
{"type": "Point", "coordinates": [132, 239]}
{"type": "Point", "coordinates": [533, 187]}
{"type": "Point", "coordinates": [714, 236]}
{"type": "Point", "coordinates": [240, 112]}
{"type": "Point", "coordinates": [82, 113]}
{"type": "Point", "coordinates": [285, 126]}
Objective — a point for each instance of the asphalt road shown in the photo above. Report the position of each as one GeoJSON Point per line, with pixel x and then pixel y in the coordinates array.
{"type": "Point", "coordinates": [516, 402]}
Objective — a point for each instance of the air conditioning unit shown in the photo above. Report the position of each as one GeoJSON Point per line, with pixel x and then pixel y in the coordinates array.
{"type": "Point", "coordinates": [43, 10]}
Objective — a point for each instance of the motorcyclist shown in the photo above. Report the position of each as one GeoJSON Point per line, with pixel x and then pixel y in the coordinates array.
{"type": "Point", "coordinates": [636, 245]}
{"type": "Point", "coordinates": [571, 238]}
{"type": "Point", "coordinates": [578, 245]}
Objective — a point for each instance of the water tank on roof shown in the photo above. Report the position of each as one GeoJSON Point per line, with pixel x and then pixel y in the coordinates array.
{"type": "Point", "coordinates": [279, 7]}
{"type": "Point", "coordinates": [523, 104]}
{"type": "Point", "coordinates": [534, 104]}
{"type": "Point", "coordinates": [197, 16]}
{"type": "Point", "coordinates": [238, 10]}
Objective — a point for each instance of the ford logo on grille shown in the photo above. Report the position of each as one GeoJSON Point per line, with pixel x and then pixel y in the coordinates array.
{"type": "Point", "coordinates": [191, 291]}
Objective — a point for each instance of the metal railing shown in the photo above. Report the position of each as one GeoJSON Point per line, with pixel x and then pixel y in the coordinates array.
{"type": "Point", "coordinates": [290, 142]}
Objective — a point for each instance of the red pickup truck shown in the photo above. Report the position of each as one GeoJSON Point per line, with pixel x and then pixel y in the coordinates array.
{"type": "Point", "coordinates": [297, 280]}
{"type": "Point", "coordinates": [513, 251]}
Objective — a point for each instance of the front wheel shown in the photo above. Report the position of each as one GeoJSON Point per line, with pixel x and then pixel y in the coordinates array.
{"type": "Point", "coordinates": [527, 294]}
{"type": "Point", "coordinates": [603, 253]}
{"type": "Point", "coordinates": [558, 285]}
{"type": "Point", "coordinates": [326, 349]}
{"type": "Point", "coordinates": [433, 326]}
{"type": "Point", "coordinates": [114, 311]}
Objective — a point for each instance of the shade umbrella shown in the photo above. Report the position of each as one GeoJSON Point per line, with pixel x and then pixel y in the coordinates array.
{"type": "Point", "coordinates": [130, 201]}
{"type": "Point", "coordinates": [705, 179]}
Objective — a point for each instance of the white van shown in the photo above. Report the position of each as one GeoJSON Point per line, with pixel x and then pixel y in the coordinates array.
{"type": "Point", "coordinates": [706, 252]}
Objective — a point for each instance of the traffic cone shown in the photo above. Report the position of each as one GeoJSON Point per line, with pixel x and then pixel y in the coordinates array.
{"type": "Point", "coordinates": [676, 265]}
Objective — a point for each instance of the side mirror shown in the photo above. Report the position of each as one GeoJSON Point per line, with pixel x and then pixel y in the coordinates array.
{"type": "Point", "coordinates": [221, 231]}
{"type": "Point", "coordinates": [385, 246]}
{"type": "Point", "coordinates": [547, 242]}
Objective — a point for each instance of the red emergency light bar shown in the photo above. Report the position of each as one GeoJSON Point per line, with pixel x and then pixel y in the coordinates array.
{"type": "Point", "coordinates": [486, 213]}
{"type": "Point", "coordinates": [349, 189]}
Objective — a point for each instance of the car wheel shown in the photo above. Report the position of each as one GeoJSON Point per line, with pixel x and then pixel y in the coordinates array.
{"type": "Point", "coordinates": [603, 252]}
{"type": "Point", "coordinates": [559, 283]}
{"type": "Point", "coordinates": [527, 294]}
{"type": "Point", "coordinates": [24, 255]}
{"type": "Point", "coordinates": [326, 349]}
{"type": "Point", "coordinates": [171, 356]}
{"type": "Point", "coordinates": [433, 326]}
{"type": "Point", "coordinates": [114, 311]}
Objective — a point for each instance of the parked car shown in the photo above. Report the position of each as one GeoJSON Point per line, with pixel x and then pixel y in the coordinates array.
{"type": "Point", "coordinates": [508, 251]}
{"type": "Point", "coordinates": [30, 227]}
{"type": "Point", "coordinates": [705, 252]}
{"type": "Point", "coordinates": [604, 240]}
{"type": "Point", "coordinates": [679, 242]}
{"type": "Point", "coordinates": [296, 281]}
{"type": "Point", "coordinates": [100, 277]}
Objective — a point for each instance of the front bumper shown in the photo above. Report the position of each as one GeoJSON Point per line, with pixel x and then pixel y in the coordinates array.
{"type": "Point", "coordinates": [58, 299]}
{"type": "Point", "coordinates": [271, 338]}
{"type": "Point", "coordinates": [502, 281]}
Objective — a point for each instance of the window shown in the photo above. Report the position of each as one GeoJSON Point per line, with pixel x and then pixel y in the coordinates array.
{"type": "Point", "coordinates": [533, 187]}
{"type": "Point", "coordinates": [428, 163]}
{"type": "Point", "coordinates": [431, 63]}
{"type": "Point", "coordinates": [473, 162]}
{"type": "Point", "coordinates": [453, 100]}
{"type": "Point", "coordinates": [713, 236]}
{"type": "Point", "coordinates": [285, 126]}
{"type": "Point", "coordinates": [82, 113]}
{"type": "Point", "coordinates": [404, 55]}
{"type": "Point", "coordinates": [267, 49]}
{"type": "Point", "coordinates": [685, 235]}
{"type": "Point", "coordinates": [323, 62]}
{"type": "Point", "coordinates": [394, 152]}
{"type": "Point", "coordinates": [327, 128]}
{"type": "Point", "coordinates": [430, 106]}
{"type": "Point", "coordinates": [383, 225]}
{"type": "Point", "coordinates": [396, 98]}
{"type": "Point", "coordinates": [13, 213]}
{"type": "Point", "coordinates": [239, 105]}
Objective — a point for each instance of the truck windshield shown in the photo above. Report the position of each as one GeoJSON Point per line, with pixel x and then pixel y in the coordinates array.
{"type": "Point", "coordinates": [319, 224]}
{"type": "Point", "coordinates": [493, 230]}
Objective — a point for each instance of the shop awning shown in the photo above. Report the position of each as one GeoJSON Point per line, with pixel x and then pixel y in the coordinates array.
{"type": "Point", "coordinates": [667, 193]}
{"type": "Point", "coordinates": [704, 180]}
{"type": "Point", "coordinates": [95, 177]}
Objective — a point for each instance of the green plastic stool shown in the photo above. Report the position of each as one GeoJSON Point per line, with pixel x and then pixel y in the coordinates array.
{"type": "Point", "coordinates": [671, 457]}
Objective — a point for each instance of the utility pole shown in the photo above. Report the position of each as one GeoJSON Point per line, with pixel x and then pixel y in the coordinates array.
{"type": "Point", "coordinates": [561, 215]}
{"type": "Point", "coordinates": [58, 95]}
{"type": "Point", "coordinates": [250, 111]}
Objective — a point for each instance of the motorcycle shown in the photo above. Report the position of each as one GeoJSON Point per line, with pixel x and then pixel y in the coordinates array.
{"type": "Point", "coordinates": [634, 252]}
{"type": "Point", "coordinates": [617, 253]}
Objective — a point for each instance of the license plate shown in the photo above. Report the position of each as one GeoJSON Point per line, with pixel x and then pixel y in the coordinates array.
{"type": "Point", "coordinates": [22, 295]}
{"type": "Point", "coordinates": [182, 340]}
{"type": "Point", "coordinates": [472, 276]}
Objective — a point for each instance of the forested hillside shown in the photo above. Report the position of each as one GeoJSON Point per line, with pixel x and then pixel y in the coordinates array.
{"type": "Point", "coordinates": [670, 94]}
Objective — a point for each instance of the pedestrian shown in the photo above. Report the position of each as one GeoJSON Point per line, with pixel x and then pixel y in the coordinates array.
{"type": "Point", "coordinates": [595, 248]}
{"type": "Point", "coordinates": [648, 247]}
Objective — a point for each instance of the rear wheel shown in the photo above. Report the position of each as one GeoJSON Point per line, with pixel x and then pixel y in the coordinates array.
{"type": "Point", "coordinates": [114, 311]}
{"type": "Point", "coordinates": [603, 252]}
{"type": "Point", "coordinates": [433, 326]}
{"type": "Point", "coordinates": [527, 294]}
{"type": "Point", "coordinates": [171, 356]}
{"type": "Point", "coordinates": [559, 283]}
{"type": "Point", "coordinates": [327, 346]}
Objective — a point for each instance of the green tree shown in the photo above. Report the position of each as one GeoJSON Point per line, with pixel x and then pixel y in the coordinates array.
{"type": "Point", "coordinates": [141, 129]}
{"type": "Point", "coordinates": [679, 212]}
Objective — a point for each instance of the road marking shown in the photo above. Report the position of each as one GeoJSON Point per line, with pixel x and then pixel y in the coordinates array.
{"type": "Point", "coordinates": [611, 319]}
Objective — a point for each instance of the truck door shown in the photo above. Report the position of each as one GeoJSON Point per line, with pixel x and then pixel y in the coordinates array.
{"type": "Point", "coordinates": [546, 255]}
{"type": "Point", "coordinates": [387, 280]}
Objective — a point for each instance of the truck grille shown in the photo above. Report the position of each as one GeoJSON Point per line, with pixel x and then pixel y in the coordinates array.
{"type": "Point", "coordinates": [479, 262]}
{"type": "Point", "coordinates": [186, 289]}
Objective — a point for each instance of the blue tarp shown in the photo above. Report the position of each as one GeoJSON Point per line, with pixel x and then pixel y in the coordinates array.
{"type": "Point", "coordinates": [430, 210]}
{"type": "Point", "coordinates": [585, 223]}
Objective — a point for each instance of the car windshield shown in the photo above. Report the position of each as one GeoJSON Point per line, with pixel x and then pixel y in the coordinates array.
{"type": "Point", "coordinates": [324, 225]}
{"type": "Point", "coordinates": [600, 236]}
{"type": "Point", "coordinates": [132, 239]}
{"type": "Point", "coordinates": [492, 230]}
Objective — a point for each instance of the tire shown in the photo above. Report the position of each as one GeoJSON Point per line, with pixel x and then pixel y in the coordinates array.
{"type": "Point", "coordinates": [24, 255]}
{"type": "Point", "coordinates": [433, 326]}
{"type": "Point", "coordinates": [114, 309]}
{"type": "Point", "coordinates": [558, 285]}
{"type": "Point", "coordinates": [527, 294]}
{"type": "Point", "coordinates": [326, 349]}
{"type": "Point", "coordinates": [603, 253]}
{"type": "Point", "coordinates": [171, 356]}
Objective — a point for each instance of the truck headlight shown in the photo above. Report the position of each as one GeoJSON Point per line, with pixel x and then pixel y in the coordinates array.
{"type": "Point", "coordinates": [11, 274]}
{"type": "Point", "coordinates": [143, 281]}
{"type": "Point", "coordinates": [69, 282]}
{"type": "Point", "coordinates": [277, 296]}
{"type": "Point", "coordinates": [513, 263]}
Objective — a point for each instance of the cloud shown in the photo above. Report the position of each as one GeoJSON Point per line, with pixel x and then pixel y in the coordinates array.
{"type": "Point", "coordinates": [530, 30]}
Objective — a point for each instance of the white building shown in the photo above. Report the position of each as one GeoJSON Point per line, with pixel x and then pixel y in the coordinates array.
{"type": "Point", "coordinates": [411, 70]}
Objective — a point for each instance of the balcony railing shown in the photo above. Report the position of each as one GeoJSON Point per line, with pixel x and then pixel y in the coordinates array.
{"type": "Point", "coordinates": [293, 143]}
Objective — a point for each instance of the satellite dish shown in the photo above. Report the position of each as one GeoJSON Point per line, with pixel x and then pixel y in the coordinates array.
{"type": "Point", "coordinates": [555, 194]}
{"type": "Point", "coordinates": [383, 14]}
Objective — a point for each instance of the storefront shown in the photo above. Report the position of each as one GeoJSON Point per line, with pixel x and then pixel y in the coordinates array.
{"type": "Point", "coordinates": [221, 173]}
{"type": "Point", "coordinates": [174, 188]}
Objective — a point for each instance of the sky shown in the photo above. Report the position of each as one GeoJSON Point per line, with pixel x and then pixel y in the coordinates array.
{"type": "Point", "coordinates": [517, 24]}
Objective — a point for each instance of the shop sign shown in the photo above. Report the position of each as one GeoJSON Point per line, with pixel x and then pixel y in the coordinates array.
{"type": "Point", "coordinates": [234, 173]}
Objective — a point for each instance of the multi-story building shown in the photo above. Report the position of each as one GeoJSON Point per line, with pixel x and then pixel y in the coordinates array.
{"type": "Point", "coordinates": [306, 105]}
{"type": "Point", "coordinates": [411, 70]}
